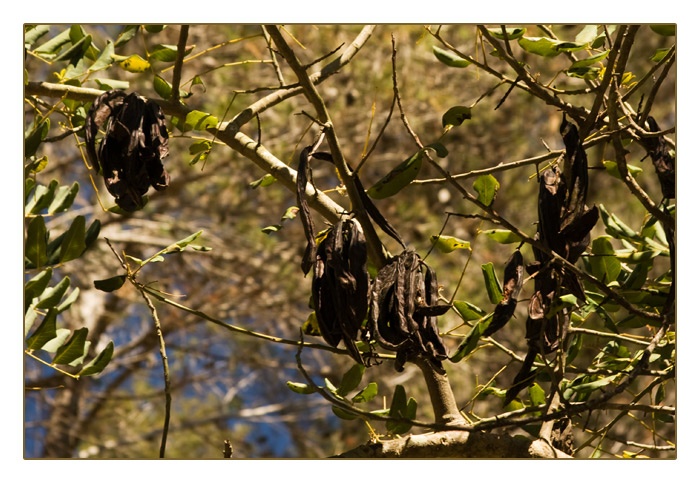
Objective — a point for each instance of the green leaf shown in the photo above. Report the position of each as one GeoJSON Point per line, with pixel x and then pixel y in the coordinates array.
{"type": "Point", "coordinates": [36, 166]}
{"type": "Point", "coordinates": [342, 414]}
{"type": "Point", "coordinates": [587, 73]}
{"type": "Point", "coordinates": [105, 59]}
{"type": "Point", "coordinates": [493, 285]}
{"type": "Point", "coordinates": [49, 49]}
{"type": "Point", "coordinates": [398, 178]}
{"type": "Point", "coordinates": [186, 241]}
{"type": "Point", "coordinates": [68, 301]}
{"type": "Point", "coordinates": [468, 311]}
{"type": "Point", "coordinates": [154, 29]}
{"type": "Point", "coordinates": [168, 53]}
{"type": "Point", "coordinates": [108, 84]}
{"type": "Point", "coordinates": [587, 35]}
{"type": "Point", "coordinates": [547, 47]}
{"type": "Point", "coordinates": [604, 265]}
{"type": "Point", "coordinates": [539, 45]}
{"type": "Point", "coordinates": [351, 379]}
{"type": "Point", "coordinates": [660, 54]}
{"type": "Point", "coordinates": [162, 87]}
{"type": "Point", "coordinates": [43, 196]}
{"type": "Point", "coordinates": [197, 120]}
{"type": "Point", "coordinates": [401, 408]}
{"type": "Point", "coordinates": [50, 297]}
{"type": "Point", "coordinates": [35, 137]}
{"type": "Point", "coordinates": [44, 333]}
{"type": "Point", "coordinates": [668, 30]}
{"type": "Point", "coordinates": [616, 227]}
{"type": "Point", "coordinates": [92, 233]}
{"type": "Point", "coordinates": [588, 387]}
{"type": "Point", "coordinates": [611, 168]}
{"type": "Point", "coordinates": [367, 394]}
{"type": "Point", "coordinates": [110, 284]}
{"type": "Point", "coordinates": [449, 58]}
{"type": "Point", "coordinates": [502, 236]}
{"type": "Point", "coordinates": [487, 187]}
{"type": "Point", "coordinates": [330, 386]}
{"type": "Point", "coordinates": [98, 364]}
{"type": "Point", "coordinates": [590, 60]}
{"type": "Point", "coordinates": [456, 115]}
{"type": "Point", "coordinates": [74, 351]}
{"type": "Point", "coordinates": [511, 33]}
{"type": "Point", "coordinates": [300, 388]}
{"type": "Point", "coordinates": [73, 244]}
{"type": "Point", "coordinates": [75, 52]}
{"type": "Point", "coordinates": [35, 247]}
{"type": "Point", "coordinates": [65, 195]}
{"type": "Point", "coordinates": [398, 402]}
{"type": "Point", "coordinates": [448, 244]}
{"type": "Point", "coordinates": [34, 34]}
{"type": "Point", "coordinates": [126, 35]}
{"type": "Point", "coordinates": [266, 180]}
{"type": "Point", "coordinates": [471, 340]}
{"type": "Point", "coordinates": [574, 348]}
{"type": "Point", "coordinates": [36, 285]}
{"type": "Point", "coordinates": [536, 393]}
{"type": "Point", "coordinates": [54, 344]}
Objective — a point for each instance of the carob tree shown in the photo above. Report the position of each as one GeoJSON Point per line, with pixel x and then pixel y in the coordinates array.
{"type": "Point", "coordinates": [396, 308]}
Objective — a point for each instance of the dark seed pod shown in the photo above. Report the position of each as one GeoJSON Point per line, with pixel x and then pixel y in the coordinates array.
{"type": "Point", "coordinates": [131, 152]}
{"type": "Point", "coordinates": [403, 308]}
{"type": "Point", "coordinates": [564, 225]}
{"type": "Point", "coordinates": [340, 285]}
{"type": "Point", "coordinates": [663, 159]}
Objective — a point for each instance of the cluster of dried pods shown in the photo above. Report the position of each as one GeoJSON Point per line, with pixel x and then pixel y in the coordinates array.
{"type": "Point", "coordinates": [402, 300]}
{"type": "Point", "coordinates": [131, 151]}
{"type": "Point", "coordinates": [564, 225]}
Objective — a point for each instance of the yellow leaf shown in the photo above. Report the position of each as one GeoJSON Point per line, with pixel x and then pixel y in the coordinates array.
{"type": "Point", "coordinates": [135, 64]}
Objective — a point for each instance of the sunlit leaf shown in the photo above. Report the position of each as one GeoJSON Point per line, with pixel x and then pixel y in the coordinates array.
{"type": "Point", "coordinates": [44, 333]}
{"type": "Point", "coordinates": [447, 244]}
{"type": "Point", "coordinates": [588, 34]}
{"type": "Point", "coordinates": [300, 388]}
{"type": "Point", "coordinates": [450, 58]}
{"type": "Point", "coordinates": [456, 115]}
{"type": "Point", "coordinates": [135, 64]}
{"type": "Point", "coordinates": [502, 236]}
{"type": "Point", "coordinates": [50, 297]}
{"type": "Point", "coordinates": [511, 33]}
{"type": "Point", "coordinates": [168, 53]}
{"type": "Point", "coordinates": [367, 394]}
{"type": "Point", "coordinates": [493, 286]}
{"type": "Point", "coordinates": [469, 311]}
{"type": "Point", "coordinates": [487, 187]}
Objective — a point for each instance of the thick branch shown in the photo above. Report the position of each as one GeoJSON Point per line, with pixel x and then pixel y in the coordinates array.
{"type": "Point", "coordinates": [456, 444]}
{"type": "Point", "coordinates": [374, 246]}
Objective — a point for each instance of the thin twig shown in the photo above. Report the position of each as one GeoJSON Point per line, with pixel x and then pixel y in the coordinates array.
{"type": "Point", "coordinates": [164, 358]}
{"type": "Point", "coordinates": [273, 57]}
